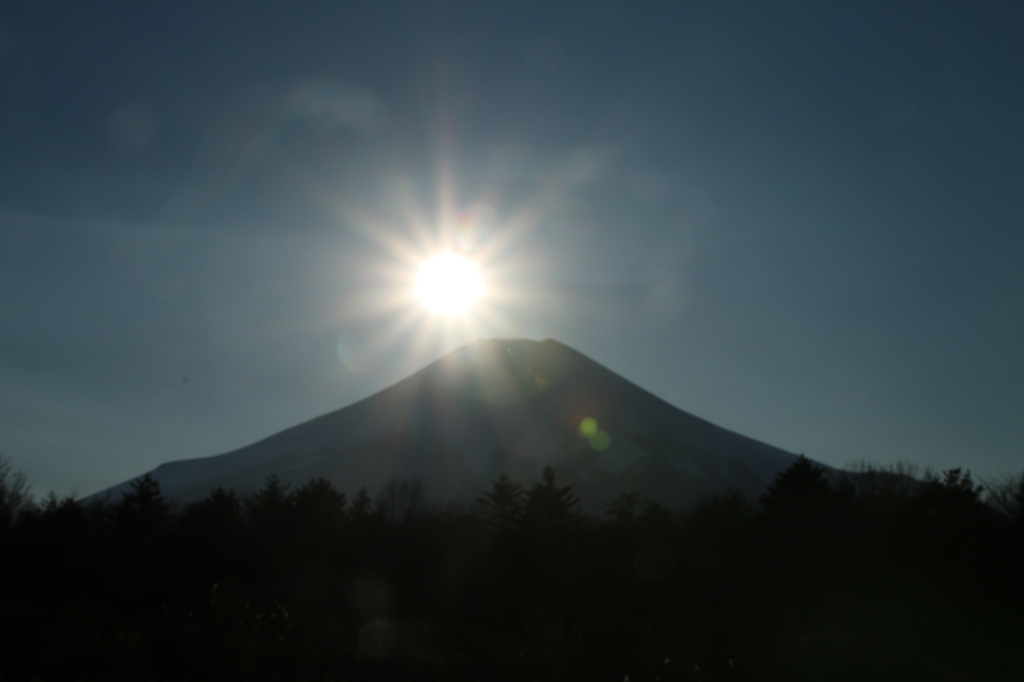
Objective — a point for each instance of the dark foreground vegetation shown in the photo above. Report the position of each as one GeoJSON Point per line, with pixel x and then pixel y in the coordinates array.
{"type": "Point", "coordinates": [878, 576]}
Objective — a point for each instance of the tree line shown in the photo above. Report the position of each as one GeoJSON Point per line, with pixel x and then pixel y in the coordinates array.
{"type": "Point", "coordinates": [877, 572]}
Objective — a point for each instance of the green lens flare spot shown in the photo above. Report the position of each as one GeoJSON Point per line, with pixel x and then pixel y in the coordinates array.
{"type": "Point", "coordinates": [588, 427]}
{"type": "Point", "coordinates": [600, 441]}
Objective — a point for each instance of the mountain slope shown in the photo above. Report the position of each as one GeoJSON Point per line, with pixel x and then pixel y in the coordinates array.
{"type": "Point", "coordinates": [499, 406]}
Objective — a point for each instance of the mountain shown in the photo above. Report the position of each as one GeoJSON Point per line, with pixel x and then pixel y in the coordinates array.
{"type": "Point", "coordinates": [492, 407]}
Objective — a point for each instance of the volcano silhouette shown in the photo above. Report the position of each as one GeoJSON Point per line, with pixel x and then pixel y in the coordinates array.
{"type": "Point", "coordinates": [493, 407]}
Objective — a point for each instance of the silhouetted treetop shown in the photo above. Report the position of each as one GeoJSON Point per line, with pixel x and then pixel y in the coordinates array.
{"type": "Point", "coordinates": [302, 584]}
{"type": "Point", "coordinates": [143, 508]}
{"type": "Point", "coordinates": [271, 499]}
{"type": "Point", "coordinates": [217, 515]}
{"type": "Point", "coordinates": [954, 488]}
{"type": "Point", "coordinates": [953, 500]}
{"type": "Point", "coordinates": [800, 490]}
{"type": "Point", "coordinates": [548, 504]}
{"type": "Point", "coordinates": [362, 506]}
{"type": "Point", "coordinates": [320, 502]}
{"type": "Point", "coordinates": [625, 508]}
{"type": "Point", "coordinates": [502, 505]}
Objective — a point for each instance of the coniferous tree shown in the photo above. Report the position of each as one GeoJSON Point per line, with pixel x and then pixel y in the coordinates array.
{"type": "Point", "coordinates": [502, 505]}
{"type": "Point", "coordinates": [269, 516]}
{"type": "Point", "coordinates": [61, 517]}
{"type": "Point", "coordinates": [954, 518]}
{"type": "Point", "coordinates": [270, 504]}
{"type": "Point", "coordinates": [210, 534]}
{"type": "Point", "coordinates": [549, 505]}
{"type": "Point", "coordinates": [319, 516]}
{"type": "Point", "coordinates": [142, 573]}
{"type": "Point", "coordinates": [219, 513]}
{"type": "Point", "coordinates": [954, 493]}
{"type": "Point", "coordinates": [143, 509]}
{"type": "Point", "coordinates": [362, 506]}
{"type": "Point", "coordinates": [807, 529]}
{"type": "Point", "coordinates": [625, 508]}
{"type": "Point", "coordinates": [690, 600]}
{"type": "Point", "coordinates": [213, 525]}
{"type": "Point", "coordinates": [798, 493]}
{"type": "Point", "coordinates": [318, 503]}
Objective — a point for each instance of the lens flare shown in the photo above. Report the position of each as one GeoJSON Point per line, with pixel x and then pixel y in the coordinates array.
{"type": "Point", "coordinates": [588, 427]}
{"type": "Point", "coordinates": [597, 438]}
{"type": "Point", "coordinates": [601, 440]}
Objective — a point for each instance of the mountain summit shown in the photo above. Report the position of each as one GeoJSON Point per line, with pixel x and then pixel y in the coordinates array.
{"type": "Point", "coordinates": [492, 407]}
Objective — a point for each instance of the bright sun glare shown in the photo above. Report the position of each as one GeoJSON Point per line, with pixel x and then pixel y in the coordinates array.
{"type": "Point", "coordinates": [449, 285]}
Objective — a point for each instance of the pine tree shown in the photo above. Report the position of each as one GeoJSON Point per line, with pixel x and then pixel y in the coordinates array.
{"type": "Point", "coordinates": [807, 519]}
{"type": "Point", "coordinates": [143, 509]}
{"type": "Point", "coordinates": [625, 508]}
{"type": "Point", "coordinates": [269, 514]}
{"type": "Point", "coordinates": [502, 505]}
{"type": "Point", "coordinates": [799, 492]}
{"type": "Point", "coordinates": [319, 498]}
{"type": "Point", "coordinates": [361, 506]}
{"type": "Point", "coordinates": [319, 508]}
{"type": "Point", "coordinates": [953, 516]}
{"type": "Point", "coordinates": [548, 505]}
{"type": "Point", "coordinates": [214, 519]}
{"type": "Point", "coordinates": [270, 502]}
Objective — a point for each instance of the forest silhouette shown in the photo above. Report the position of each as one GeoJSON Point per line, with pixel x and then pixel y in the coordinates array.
{"type": "Point", "coordinates": [874, 573]}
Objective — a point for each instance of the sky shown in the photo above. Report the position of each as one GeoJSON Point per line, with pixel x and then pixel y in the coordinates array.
{"type": "Point", "coordinates": [801, 221]}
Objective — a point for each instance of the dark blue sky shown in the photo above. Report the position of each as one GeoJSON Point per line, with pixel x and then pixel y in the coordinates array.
{"type": "Point", "coordinates": [799, 221]}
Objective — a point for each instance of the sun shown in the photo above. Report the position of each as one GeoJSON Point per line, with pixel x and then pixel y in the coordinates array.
{"type": "Point", "coordinates": [449, 284]}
